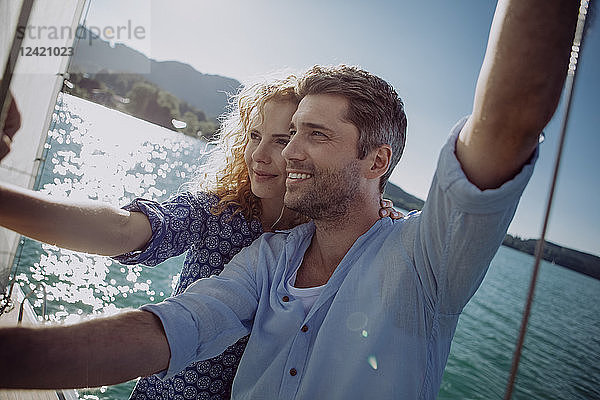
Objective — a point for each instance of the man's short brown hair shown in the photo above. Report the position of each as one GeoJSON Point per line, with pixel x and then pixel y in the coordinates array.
{"type": "Point", "coordinates": [374, 107]}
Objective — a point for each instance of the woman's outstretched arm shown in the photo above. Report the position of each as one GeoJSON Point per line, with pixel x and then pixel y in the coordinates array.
{"type": "Point", "coordinates": [87, 226]}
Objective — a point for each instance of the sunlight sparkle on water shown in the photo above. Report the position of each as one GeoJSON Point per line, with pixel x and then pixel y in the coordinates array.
{"type": "Point", "coordinates": [372, 362]}
{"type": "Point", "coordinates": [111, 157]}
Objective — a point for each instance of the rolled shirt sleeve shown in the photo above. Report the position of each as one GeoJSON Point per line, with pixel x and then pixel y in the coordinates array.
{"type": "Point", "coordinates": [176, 225]}
{"type": "Point", "coordinates": [211, 314]}
{"type": "Point", "coordinates": [461, 228]}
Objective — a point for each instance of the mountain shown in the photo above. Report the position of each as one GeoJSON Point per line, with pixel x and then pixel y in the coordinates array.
{"type": "Point", "coordinates": [205, 92]}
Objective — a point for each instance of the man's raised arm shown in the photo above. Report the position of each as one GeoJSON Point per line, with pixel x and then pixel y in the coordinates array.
{"type": "Point", "coordinates": [518, 89]}
{"type": "Point", "coordinates": [102, 351]}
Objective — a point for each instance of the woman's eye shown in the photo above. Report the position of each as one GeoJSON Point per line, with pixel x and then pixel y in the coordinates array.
{"type": "Point", "coordinates": [283, 141]}
{"type": "Point", "coordinates": [254, 136]}
{"type": "Point", "coordinates": [292, 133]}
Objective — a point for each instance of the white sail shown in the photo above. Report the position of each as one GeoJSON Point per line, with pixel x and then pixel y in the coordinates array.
{"type": "Point", "coordinates": [36, 82]}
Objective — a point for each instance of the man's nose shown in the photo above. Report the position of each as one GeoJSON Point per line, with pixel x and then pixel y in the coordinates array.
{"type": "Point", "coordinates": [293, 150]}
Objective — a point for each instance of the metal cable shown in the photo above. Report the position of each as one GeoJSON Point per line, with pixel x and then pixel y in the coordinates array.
{"type": "Point", "coordinates": [570, 84]}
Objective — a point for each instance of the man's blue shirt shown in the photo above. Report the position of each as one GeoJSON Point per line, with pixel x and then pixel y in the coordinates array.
{"type": "Point", "coordinates": [382, 326]}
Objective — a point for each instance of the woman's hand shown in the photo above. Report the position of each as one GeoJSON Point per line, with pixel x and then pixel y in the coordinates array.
{"type": "Point", "coordinates": [387, 210]}
{"type": "Point", "coordinates": [11, 126]}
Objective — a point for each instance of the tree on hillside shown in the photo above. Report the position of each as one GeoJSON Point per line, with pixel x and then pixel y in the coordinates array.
{"type": "Point", "coordinates": [184, 107]}
{"type": "Point", "coordinates": [141, 95]}
{"type": "Point", "coordinates": [169, 102]}
{"type": "Point", "coordinates": [208, 129]}
{"type": "Point", "coordinates": [193, 125]}
{"type": "Point", "coordinates": [144, 104]}
{"type": "Point", "coordinates": [145, 100]}
{"type": "Point", "coordinates": [121, 84]}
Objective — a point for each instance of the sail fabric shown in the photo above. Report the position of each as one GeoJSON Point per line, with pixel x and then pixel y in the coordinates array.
{"type": "Point", "coordinates": [35, 85]}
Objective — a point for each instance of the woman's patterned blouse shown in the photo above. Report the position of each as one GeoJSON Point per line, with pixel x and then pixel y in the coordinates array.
{"type": "Point", "coordinates": [182, 223]}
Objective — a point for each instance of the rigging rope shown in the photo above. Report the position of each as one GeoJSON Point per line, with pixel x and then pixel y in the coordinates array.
{"type": "Point", "coordinates": [569, 88]}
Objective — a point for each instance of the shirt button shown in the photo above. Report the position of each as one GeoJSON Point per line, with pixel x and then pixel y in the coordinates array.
{"type": "Point", "coordinates": [304, 328]}
{"type": "Point", "coordinates": [285, 299]}
{"type": "Point", "coordinates": [293, 372]}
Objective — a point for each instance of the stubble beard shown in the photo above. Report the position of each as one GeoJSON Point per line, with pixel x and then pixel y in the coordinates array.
{"type": "Point", "coordinates": [331, 196]}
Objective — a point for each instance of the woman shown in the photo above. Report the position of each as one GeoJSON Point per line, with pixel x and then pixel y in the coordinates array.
{"type": "Point", "coordinates": [226, 209]}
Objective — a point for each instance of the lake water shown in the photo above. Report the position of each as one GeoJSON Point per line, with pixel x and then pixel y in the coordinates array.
{"type": "Point", "coordinates": [98, 153]}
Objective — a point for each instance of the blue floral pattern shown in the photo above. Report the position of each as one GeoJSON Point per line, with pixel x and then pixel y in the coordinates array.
{"type": "Point", "coordinates": [182, 223]}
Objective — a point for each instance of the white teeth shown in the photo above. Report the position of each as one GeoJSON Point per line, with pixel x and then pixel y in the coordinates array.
{"type": "Point", "coordinates": [294, 175]}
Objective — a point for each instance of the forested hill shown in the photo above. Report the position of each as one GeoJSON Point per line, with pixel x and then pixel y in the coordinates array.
{"type": "Point", "coordinates": [573, 259]}
{"type": "Point", "coordinates": [204, 92]}
{"type": "Point", "coordinates": [402, 199]}
{"type": "Point", "coordinates": [576, 260]}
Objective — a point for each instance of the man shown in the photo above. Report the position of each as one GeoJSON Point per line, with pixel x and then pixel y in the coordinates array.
{"type": "Point", "coordinates": [348, 306]}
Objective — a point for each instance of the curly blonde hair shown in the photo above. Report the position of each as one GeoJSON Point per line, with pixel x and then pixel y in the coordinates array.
{"type": "Point", "coordinates": [226, 174]}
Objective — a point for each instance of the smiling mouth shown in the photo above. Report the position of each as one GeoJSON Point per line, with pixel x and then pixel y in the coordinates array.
{"type": "Point", "coordinates": [264, 174]}
{"type": "Point", "coordinates": [298, 176]}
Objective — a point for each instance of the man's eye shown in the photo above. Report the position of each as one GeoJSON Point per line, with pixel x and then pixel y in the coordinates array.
{"type": "Point", "coordinates": [317, 133]}
{"type": "Point", "coordinates": [292, 133]}
{"type": "Point", "coordinates": [283, 141]}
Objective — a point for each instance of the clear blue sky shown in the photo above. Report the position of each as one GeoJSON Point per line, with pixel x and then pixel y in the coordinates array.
{"type": "Point", "coordinates": [430, 51]}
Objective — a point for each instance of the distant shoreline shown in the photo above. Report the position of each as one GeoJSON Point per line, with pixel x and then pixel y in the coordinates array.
{"type": "Point", "coordinates": [575, 260]}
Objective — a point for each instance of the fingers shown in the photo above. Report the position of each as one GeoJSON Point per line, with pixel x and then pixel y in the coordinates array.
{"type": "Point", "coordinates": [4, 146]}
{"type": "Point", "coordinates": [385, 212]}
{"type": "Point", "coordinates": [397, 215]}
{"type": "Point", "coordinates": [385, 203]}
{"type": "Point", "coordinates": [387, 209]}
{"type": "Point", "coordinates": [11, 126]}
{"type": "Point", "coordinates": [13, 120]}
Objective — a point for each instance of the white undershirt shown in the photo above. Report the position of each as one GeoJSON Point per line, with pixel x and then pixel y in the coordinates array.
{"type": "Point", "coordinates": [308, 296]}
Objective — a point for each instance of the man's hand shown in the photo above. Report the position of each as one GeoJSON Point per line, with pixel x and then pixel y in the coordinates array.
{"type": "Point", "coordinates": [11, 126]}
